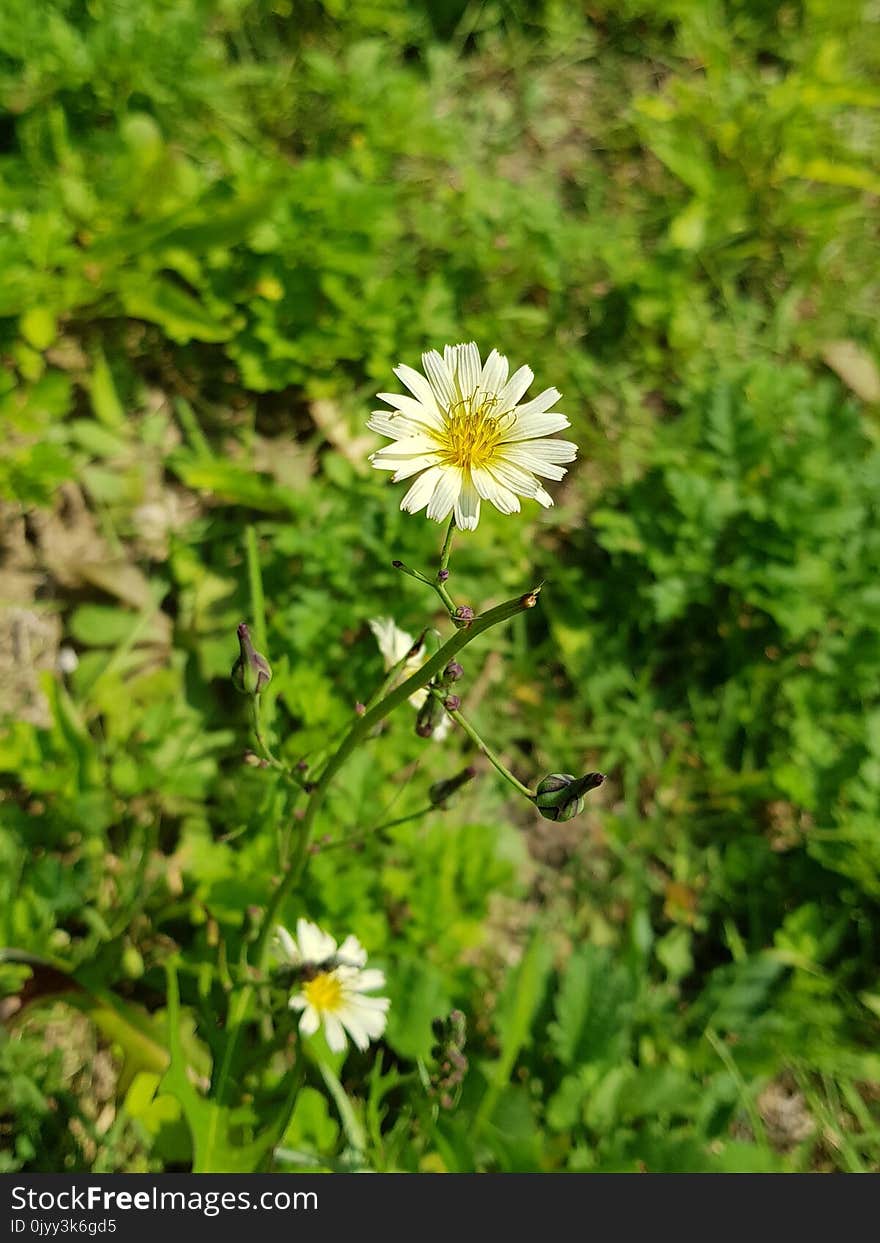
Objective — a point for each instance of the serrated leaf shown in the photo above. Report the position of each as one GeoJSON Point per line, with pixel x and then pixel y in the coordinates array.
{"type": "Point", "coordinates": [593, 1008]}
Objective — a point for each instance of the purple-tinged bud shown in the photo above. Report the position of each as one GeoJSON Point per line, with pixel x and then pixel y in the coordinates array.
{"type": "Point", "coordinates": [463, 616]}
{"type": "Point", "coordinates": [453, 672]}
{"type": "Point", "coordinates": [251, 673]}
{"type": "Point", "coordinates": [430, 716]}
{"type": "Point", "coordinates": [302, 766]}
{"type": "Point", "coordinates": [360, 709]}
{"type": "Point", "coordinates": [440, 791]}
{"type": "Point", "coordinates": [452, 703]}
{"type": "Point", "coordinates": [561, 795]}
{"type": "Point", "coordinates": [442, 576]}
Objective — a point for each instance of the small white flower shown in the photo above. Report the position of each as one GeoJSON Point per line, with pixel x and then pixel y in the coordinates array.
{"type": "Point", "coordinates": [465, 438]}
{"type": "Point", "coordinates": [334, 985]}
{"type": "Point", "coordinates": [394, 644]}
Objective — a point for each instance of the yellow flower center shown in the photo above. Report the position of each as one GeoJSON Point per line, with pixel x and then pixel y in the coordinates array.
{"type": "Point", "coordinates": [324, 992]}
{"type": "Point", "coordinates": [472, 432]}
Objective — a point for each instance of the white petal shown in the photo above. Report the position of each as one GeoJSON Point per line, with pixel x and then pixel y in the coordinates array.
{"type": "Point", "coordinates": [541, 403]}
{"type": "Point", "coordinates": [365, 1004]}
{"type": "Point", "coordinates": [284, 946]}
{"type": "Point", "coordinates": [373, 1022]}
{"type": "Point", "coordinates": [314, 945]}
{"type": "Point", "coordinates": [468, 369]}
{"type": "Point", "coordinates": [369, 978]}
{"type": "Point", "coordinates": [543, 498]}
{"type": "Point", "coordinates": [536, 465]}
{"type": "Point", "coordinates": [491, 490]}
{"type": "Point", "coordinates": [423, 415]}
{"type": "Point", "coordinates": [393, 642]}
{"type": "Point", "coordinates": [467, 507]}
{"type": "Point", "coordinates": [494, 374]}
{"type": "Point", "coordinates": [334, 1033]}
{"type": "Point", "coordinates": [513, 477]}
{"type": "Point", "coordinates": [403, 464]}
{"type": "Point", "coordinates": [355, 1029]}
{"type": "Point", "coordinates": [405, 448]}
{"type": "Point", "coordinates": [445, 494]}
{"type": "Point", "coordinates": [310, 1022]}
{"type": "Point", "coordinates": [442, 728]}
{"type": "Point", "coordinates": [418, 698]}
{"type": "Point", "coordinates": [417, 385]}
{"type": "Point", "coordinates": [395, 426]}
{"type": "Point", "coordinates": [439, 378]}
{"type": "Point", "coordinates": [351, 949]}
{"type": "Point", "coordinates": [543, 451]}
{"type": "Point", "coordinates": [407, 469]}
{"type": "Point", "coordinates": [421, 491]}
{"type": "Point", "coordinates": [526, 427]}
{"type": "Point", "coordinates": [298, 1002]}
{"type": "Point", "coordinates": [514, 388]}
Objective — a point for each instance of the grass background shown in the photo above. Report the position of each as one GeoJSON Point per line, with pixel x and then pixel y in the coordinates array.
{"type": "Point", "coordinates": [223, 223]}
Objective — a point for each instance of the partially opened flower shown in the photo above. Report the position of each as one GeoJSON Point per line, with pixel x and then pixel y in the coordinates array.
{"type": "Point", "coordinates": [465, 437]}
{"type": "Point", "coordinates": [332, 986]}
{"type": "Point", "coordinates": [394, 644]}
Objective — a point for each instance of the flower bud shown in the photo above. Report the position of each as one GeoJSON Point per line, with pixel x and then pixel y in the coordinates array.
{"type": "Point", "coordinates": [463, 616]}
{"type": "Point", "coordinates": [561, 795]}
{"type": "Point", "coordinates": [442, 576]}
{"type": "Point", "coordinates": [251, 672]}
{"type": "Point", "coordinates": [440, 791]}
{"type": "Point", "coordinates": [430, 716]}
{"type": "Point", "coordinates": [452, 703]}
{"type": "Point", "coordinates": [453, 672]}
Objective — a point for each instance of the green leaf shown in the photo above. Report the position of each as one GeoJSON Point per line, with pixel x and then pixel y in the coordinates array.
{"type": "Point", "coordinates": [593, 1008]}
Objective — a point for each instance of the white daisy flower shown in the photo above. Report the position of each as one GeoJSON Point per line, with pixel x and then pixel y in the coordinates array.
{"type": "Point", "coordinates": [332, 986]}
{"type": "Point", "coordinates": [394, 644]}
{"type": "Point", "coordinates": [465, 437]}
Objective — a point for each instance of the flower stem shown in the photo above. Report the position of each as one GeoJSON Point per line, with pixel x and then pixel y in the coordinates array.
{"type": "Point", "coordinates": [355, 838]}
{"type": "Point", "coordinates": [429, 582]}
{"type": "Point", "coordinates": [489, 753]}
{"type": "Point", "coordinates": [263, 746]}
{"type": "Point", "coordinates": [360, 730]}
{"type": "Point", "coordinates": [446, 550]}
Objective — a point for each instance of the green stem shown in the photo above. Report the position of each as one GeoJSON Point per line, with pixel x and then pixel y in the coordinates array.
{"type": "Point", "coordinates": [263, 746]}
{"type": "Point", "coordinates": [446, 550]}
{"type": "Point", "coordinates": [361, 728]}
{"type": "Point", "coordinates": [354, 838]}
{"type": "Point", "coordinates": [255, 587]}
{"type": "Point", "coordinates": [490, 755]}
{"type": "Point", "coordinates": [432, 583]}
{"type": "Point", "coordinates": [297, 1076]}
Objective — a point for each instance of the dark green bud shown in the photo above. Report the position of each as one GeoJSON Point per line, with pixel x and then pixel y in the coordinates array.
{"type": "Point", "coordinates": [440, 791]}
{"type": "Point", "coordinates": [251, 673]}
{"type": "Point", "coordinates": [561, 795]}
{"type": "Point", "coordinates": [430, 716]}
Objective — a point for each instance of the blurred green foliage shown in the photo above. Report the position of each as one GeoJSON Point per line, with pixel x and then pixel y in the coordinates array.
{"type": "Point", "coordinates": [223, 224]}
